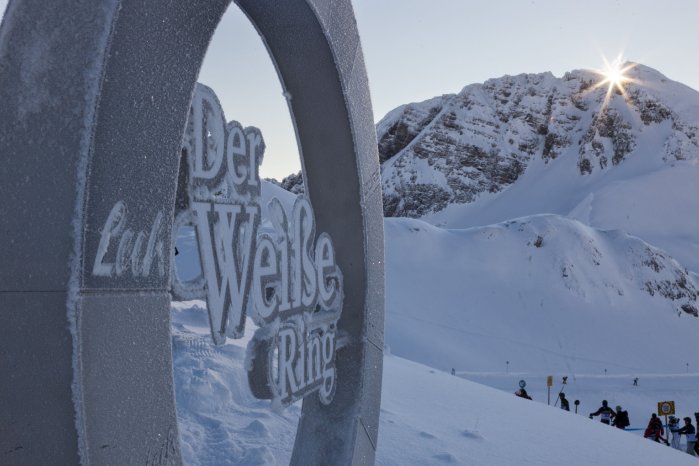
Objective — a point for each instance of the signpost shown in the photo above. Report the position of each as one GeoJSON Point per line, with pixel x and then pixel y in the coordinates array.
{"type": "Point", "coordinates": [549, 384]}
{"type": "Point", "coordinates": [666, 408]}
{"type": "Point", "coordinates": [91, 134]}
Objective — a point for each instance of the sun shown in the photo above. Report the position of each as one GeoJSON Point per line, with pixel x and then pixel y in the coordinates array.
{"type": "Point", "coordinates": [615, 73]}
{"type": "Point", "coordinates": [614, 76]}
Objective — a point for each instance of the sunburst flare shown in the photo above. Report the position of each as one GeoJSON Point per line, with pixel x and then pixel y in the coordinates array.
{"type": "Point", "coordinates": [614, 77]}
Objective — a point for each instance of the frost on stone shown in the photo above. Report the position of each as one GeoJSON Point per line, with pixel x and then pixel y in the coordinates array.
{"type": "Point", "coordinates": [124, 251]}
{"type": "Point", "coordinates": [292, 354]}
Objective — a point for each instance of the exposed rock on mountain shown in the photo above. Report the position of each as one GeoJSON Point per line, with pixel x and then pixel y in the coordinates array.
{"type": "Point", "coordinates": [454, 148]}
{"type": "Point", "coordinates": [292, 183]}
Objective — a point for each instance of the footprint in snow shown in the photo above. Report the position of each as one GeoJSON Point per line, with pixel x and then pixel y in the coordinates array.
{"type": "Point", "coordinates": [260, 456]}
{"type": "Point", "coordinates": [426, 435]}
{"type": "Point", "coordinates": [257, 429]}
{"type": "Point", "coordinates": [445, 457]}
{"type": "Point", "coordinates": [472, 435]}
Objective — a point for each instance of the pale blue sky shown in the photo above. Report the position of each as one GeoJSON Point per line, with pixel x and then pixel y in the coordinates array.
{"type": "Point", "coordinates": [416, 49]}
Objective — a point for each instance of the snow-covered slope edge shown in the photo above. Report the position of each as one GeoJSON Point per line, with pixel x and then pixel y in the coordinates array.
{"type": "Point", "coordinates": [543, 292]}
{"type": "Point", "coordinates": [431, 417]}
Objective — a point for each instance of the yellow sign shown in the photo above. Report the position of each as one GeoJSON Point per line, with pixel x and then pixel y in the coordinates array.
{"type": "Point", "coordinates": [666, 408]}
{"type": "Point", "coordinates": [549, 381]}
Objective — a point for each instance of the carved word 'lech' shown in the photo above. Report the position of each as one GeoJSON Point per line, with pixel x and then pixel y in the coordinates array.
{"type": "Point", "coordinates": [280, 273]}
{"type": "Point", "coordinates": [131, 252]}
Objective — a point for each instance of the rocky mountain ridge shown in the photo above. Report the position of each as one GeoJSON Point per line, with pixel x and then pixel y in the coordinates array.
{"type": "Point", "coordinates": [452, 149]}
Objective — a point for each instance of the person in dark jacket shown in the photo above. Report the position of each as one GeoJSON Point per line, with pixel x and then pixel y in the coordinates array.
{"type": "Point", "coordinates": [605, 413]}
{"type": "Point", "coordinates": [691, 434]}
{"type": "Point", "coordinates": [564, 401]}
{"type": "Point", "coordinates": [621, 419]}
{"type": "Point", "coordinates": [522, 393]}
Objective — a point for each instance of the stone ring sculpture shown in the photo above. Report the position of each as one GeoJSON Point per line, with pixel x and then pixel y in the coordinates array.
{"type": "Point", "coordinates": [95, 97]}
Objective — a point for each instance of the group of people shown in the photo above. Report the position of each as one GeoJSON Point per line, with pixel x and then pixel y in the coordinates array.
{"type": "Point", "coordinates": [618, 418]}
{"type": "Point", "coordinates": [655, 431]}
{"type": "Point", "coordinates": [676, 432]}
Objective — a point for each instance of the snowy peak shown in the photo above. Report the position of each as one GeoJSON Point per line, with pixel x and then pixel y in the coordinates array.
{"type": "Point", "coordinates": [454, 148]}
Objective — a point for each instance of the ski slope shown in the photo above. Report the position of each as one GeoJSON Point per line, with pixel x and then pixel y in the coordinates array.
{"type": "Point", "coordinates": [428, 417]}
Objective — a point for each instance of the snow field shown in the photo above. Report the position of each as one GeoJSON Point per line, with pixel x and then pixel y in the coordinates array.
{"type": "Point", "coordinates": [428, 417]}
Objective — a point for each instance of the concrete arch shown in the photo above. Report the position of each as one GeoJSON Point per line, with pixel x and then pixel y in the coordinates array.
{"type": "Point", "coordinates": [95, 98]}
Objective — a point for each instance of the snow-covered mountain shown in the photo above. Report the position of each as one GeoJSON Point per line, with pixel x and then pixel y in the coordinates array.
{"type": "Point", "coordinates": [534, 143]}
{"type": "Point", "coordinates": [454, 148]}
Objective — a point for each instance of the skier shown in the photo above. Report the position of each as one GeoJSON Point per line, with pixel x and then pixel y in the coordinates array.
{"type": "Point", "coordinates": [674, 427]}
{"type": "Point", "coordinates": [522, 393]}
{"type": "Point", "coordinates": [635, 382]}
{"type": "Point", "coordinates": [621, 419]}
{"type": "Point", "coordinates": [654, 431]}
{"type": "Point", "coordinates": [564, 402]}
{"type": "Point", "coordinates": [690, 432]}
{"type": "Point", "coordinates": [605, 413]}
